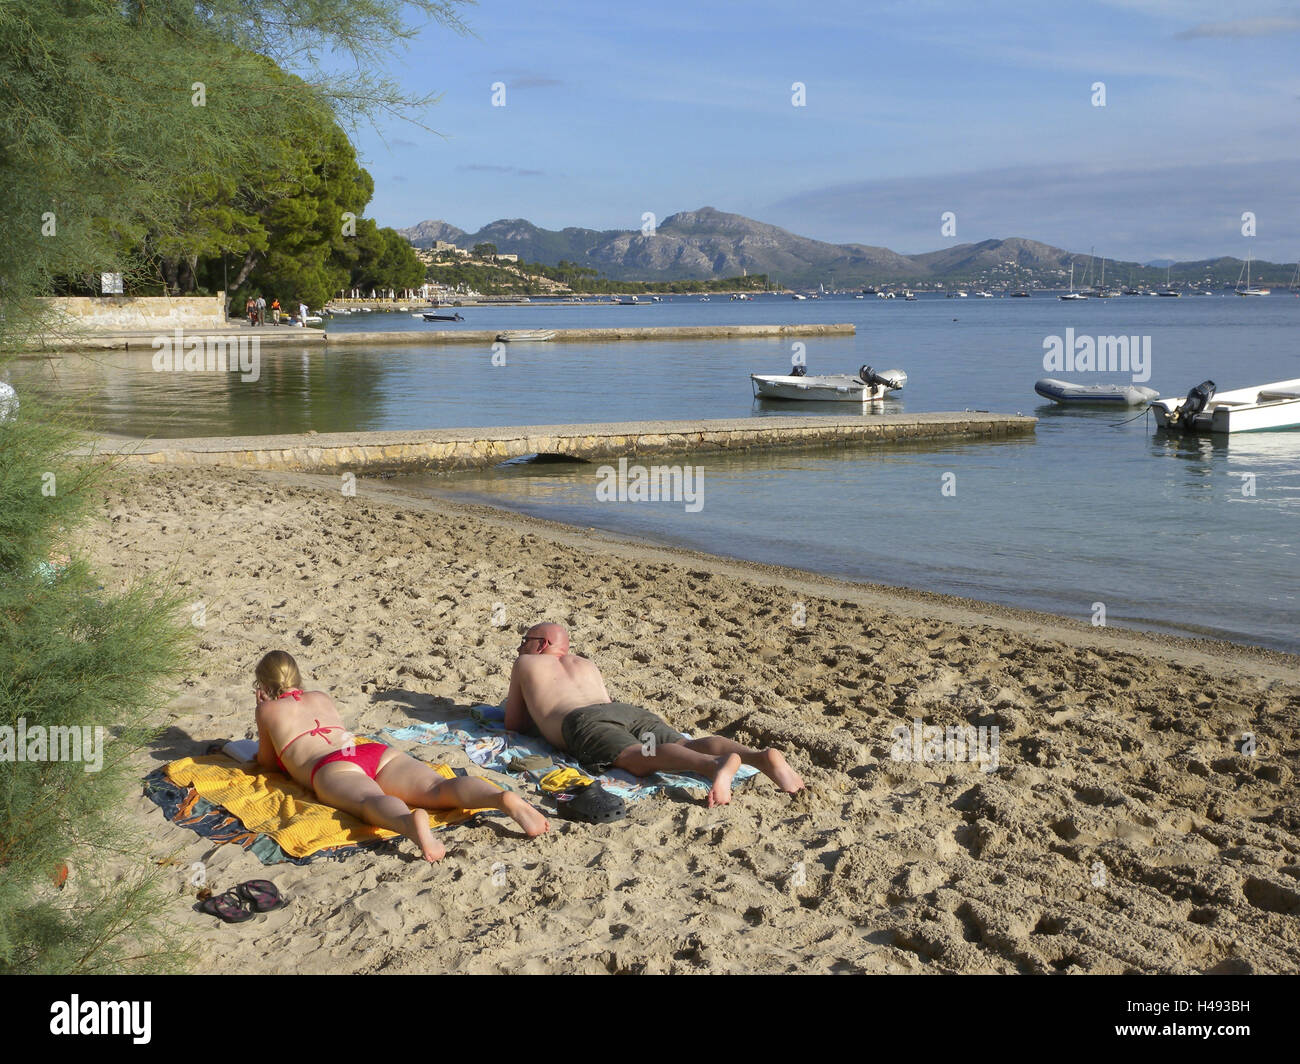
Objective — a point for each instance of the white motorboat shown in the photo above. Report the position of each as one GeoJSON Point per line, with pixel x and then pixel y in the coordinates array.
{"type": "Point", "coordinates": [867, 386]}
{"type": "Point", "coordinates": [798, 296]}
{"type": "Point", "coordinates": [1261, 408]}
{"type": "Point", "coordinates": [1067, 393]}
{"type": "Point", "coordinates": [519, 335]}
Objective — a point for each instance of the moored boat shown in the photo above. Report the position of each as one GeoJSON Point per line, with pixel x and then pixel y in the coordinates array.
{"type": "Point", "coordinates": [867, 386]}
{"type": "Point", "coordinates": [1068, 393]}
{"type": "Point", "coordinates": [1260, 408]}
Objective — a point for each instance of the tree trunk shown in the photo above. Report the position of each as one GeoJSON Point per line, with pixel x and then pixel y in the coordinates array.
{"type": "Point", "coordinates": [250, 260]}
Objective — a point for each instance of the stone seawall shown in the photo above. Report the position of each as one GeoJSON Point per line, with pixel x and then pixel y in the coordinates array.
{"type": "Point", "coordinates": [631, 332]}
{"type": "Point", "coordinates": [443, 450]}
{"type": "Point", "coordinates": [92, 315]}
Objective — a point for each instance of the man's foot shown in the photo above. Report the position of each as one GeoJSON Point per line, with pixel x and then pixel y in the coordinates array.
{"type": "Point", "coordinates": [524, 815]}
{"type": "Point", "coordinates": [720, 793]}
{"type": "Point", "coordinates": [420, 834]}
{"type": "Point", "coordinates": [774, 765]}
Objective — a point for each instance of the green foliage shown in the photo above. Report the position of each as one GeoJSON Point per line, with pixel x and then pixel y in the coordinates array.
{"type": "Point", "coordinates": [385, 259]}
{"type": "Point", "coordinates": [73, 654]}
{"type": "Point", "coordinates": [141, 137]}
{"type": "Point", "coordinates": [519, 279]}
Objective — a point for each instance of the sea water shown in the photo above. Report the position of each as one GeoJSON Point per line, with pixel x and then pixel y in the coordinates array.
{"type": "Point", "coordinates": [1192, 536]}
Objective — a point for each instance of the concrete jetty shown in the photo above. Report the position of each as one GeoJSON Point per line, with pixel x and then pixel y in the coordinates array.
{"type": "Point", "coordinates": [627, 332]}
{"type": "Point", "coordinates": [440, 450]}
{"type": "Point", "coordinates": [138, 340]}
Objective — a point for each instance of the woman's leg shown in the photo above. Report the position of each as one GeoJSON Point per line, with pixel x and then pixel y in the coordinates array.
{"type": "Point", "coordinates": [414, 782]}
{"type": "Point", "coordinates": [347, 787]}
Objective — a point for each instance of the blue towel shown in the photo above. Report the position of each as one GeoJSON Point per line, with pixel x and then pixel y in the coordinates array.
{"type": "Point", "coordinates": [483, 737]}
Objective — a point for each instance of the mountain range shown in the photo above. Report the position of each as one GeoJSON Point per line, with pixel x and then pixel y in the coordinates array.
{"type": "Point", "coordinates": [708, 243]}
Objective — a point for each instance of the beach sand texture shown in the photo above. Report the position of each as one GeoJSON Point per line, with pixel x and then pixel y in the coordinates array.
{"type": "Point", "coordinates": [1123, 830]}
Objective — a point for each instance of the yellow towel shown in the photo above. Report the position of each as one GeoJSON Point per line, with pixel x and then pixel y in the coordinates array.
{"type": "Point", "coordinates": [561, 779]}
{"type": "Point", "coordinates": [274, 805]}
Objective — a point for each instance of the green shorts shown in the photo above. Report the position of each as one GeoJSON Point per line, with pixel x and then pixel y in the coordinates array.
{"type": "Point", "coordinates": [596, 735]}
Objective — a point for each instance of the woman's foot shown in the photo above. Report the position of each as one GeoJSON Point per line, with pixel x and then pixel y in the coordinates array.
{"type": "Point", "coordinates": [524, 815]}
{"type": "Point", "coordinates": [720, 793]}
{"type": "Point", "coordinates": [419, 833]}
{"type": "Point", "coordinates": [774, 765]}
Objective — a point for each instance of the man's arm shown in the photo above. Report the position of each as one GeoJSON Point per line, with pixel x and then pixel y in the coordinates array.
{"type": "Point", "coordinates": [517, 716]}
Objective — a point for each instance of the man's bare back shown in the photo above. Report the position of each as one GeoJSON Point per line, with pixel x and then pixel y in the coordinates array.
{"type": "Point", "coordinates": [546, 688]}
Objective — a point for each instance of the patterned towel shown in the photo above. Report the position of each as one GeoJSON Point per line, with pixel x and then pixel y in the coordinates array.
{"type": "Point", "coordinates": [483, 737]}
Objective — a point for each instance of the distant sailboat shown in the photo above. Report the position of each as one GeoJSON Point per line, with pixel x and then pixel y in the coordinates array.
{"type": "Point", "coordinates": [1168, 292]}
{"type": "Point", "coordinates": [1072, 293]}
{"type": "Point", "coordinates": [1104, 292]}
{"type": "Point", "coordinates": [1248, 291]}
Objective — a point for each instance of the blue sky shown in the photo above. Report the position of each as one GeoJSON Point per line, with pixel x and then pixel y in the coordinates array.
{"type": "Point", "coordinates": [913, 108]}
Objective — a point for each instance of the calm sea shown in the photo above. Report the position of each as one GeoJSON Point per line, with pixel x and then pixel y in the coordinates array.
{"type": "Point", "coordinates": [1193, 537]}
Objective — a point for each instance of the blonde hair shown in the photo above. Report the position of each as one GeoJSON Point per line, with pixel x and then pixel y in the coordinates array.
{"type": "Point", "coordinates": [278, 673]}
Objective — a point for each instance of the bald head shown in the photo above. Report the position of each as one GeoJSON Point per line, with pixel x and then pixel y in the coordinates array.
{"type": "Point", "coordinates": [545, 638]}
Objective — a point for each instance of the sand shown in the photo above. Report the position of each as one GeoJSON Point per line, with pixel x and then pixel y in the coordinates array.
{"type": "Point", "coordinates": [1124, 829]}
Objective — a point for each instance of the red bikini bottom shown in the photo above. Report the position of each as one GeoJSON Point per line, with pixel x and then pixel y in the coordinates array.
{"type": "Point", "coordinates": [365, 755]}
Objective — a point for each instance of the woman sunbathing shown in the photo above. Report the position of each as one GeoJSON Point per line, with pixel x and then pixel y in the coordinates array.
{"type": "Point", "coordinates": [373, 782]}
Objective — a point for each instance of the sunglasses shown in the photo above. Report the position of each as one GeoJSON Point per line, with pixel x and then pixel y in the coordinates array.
{"type": "Point", "coordinates": [540, 638]}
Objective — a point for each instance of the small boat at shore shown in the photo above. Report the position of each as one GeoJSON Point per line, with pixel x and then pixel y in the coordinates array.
{"type": "Point", "coordinates": [1069, 394]}
{"type": "Point", "coordinates": [1261, 408]}
{"type": "Point", "coordinates": [867, 386]}
{"type": "Point", "coordinates": [521, 335]}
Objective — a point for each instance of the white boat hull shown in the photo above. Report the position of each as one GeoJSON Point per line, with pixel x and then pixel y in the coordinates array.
{"type": "Point", "coordinates": [1262, 408]}
{"type": "Point", "coordinates": [835, 388]}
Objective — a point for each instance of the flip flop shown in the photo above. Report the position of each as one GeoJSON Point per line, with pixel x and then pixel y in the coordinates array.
{"type": "Point", "coordinates": [261, 895]}
{"type": "Point", "coordinates": [590, 804]}
{"type": "Point", "coordinates": [226, 907]}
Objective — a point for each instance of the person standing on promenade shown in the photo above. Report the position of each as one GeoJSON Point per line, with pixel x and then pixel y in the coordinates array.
{"type": "Point", "coordinates": [250, 310]}
{"type": "Point", "coordinates": [275, 311]}
{"type": "Point", "coordinates": [302, 314]}
{"type": "Point", "coordinates": [261, 310]}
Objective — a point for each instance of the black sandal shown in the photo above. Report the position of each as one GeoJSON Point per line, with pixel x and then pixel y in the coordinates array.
{"type": "Point", "coordinates": [226, 907]}
{"type": "Point", "coordinates": [261, 895]}
{"type": "Point", "coordinates": [590, 804]}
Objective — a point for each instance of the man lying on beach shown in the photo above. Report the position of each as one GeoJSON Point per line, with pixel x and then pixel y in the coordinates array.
{"type": "Point", "coordinates": [565, 697]}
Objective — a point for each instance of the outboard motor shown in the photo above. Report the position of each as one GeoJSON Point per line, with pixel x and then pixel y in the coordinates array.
{"type": "Point", "coordinates": [798, 370]}
{"type": "Point", "coordinates": [1197, 400]}
{"type": "Point", "coordinates": [891, 379]}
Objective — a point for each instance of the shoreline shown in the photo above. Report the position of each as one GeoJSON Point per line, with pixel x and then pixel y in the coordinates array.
{"type": "Point", "coordinates": [1118, 752]}
{"type": "Point", "coordinates": [905, 598]}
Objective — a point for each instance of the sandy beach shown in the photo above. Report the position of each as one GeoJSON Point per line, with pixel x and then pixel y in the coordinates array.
{"type": "Point", "coordinates": [1125, 828]}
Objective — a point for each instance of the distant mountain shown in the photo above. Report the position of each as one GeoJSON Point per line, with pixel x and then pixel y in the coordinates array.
{"type": "Point", "coordinates": [427, 233]}
{"type": "Point", "coordinates": [1160, 264]}
{"type": "Point", "coordinates": [708, 243]}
